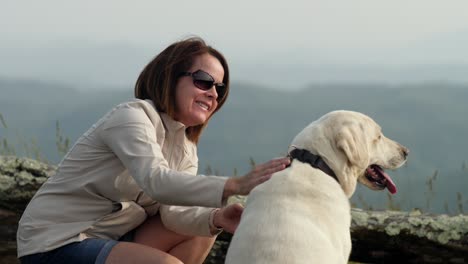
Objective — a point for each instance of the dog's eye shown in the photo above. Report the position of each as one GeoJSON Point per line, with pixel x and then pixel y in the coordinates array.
{"type": "Point", "coordinates": [380, 137]}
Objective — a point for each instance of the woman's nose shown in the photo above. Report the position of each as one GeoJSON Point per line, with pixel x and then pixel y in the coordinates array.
{"type": "Point", "coordinates": [212, 93]}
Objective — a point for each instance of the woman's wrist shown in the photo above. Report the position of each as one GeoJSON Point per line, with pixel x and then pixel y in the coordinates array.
{"type": "Point", "coordinates": [230, 188]}
{"type": "Point", "coordinates": [215, 227]}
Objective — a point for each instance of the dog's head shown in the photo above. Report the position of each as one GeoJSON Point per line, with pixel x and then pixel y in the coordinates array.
{"type": "Point", "coordinates": [353, 146]}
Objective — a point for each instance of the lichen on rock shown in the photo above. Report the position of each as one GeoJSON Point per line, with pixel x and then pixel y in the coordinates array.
{"type": "Point", "coordinates": [19, 180]}
{"type": "Point", "coordinates": [359, 217]}
{"type": "Point", "coordinates": [441, 229]}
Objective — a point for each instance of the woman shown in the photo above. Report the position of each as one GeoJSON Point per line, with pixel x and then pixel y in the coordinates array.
{"type": "Point", "coordinates": [126, 191]}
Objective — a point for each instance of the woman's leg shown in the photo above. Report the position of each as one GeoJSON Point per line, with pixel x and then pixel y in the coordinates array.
{"type": "Point", "coordinates": [156, 244]}
{"type": "Point", "coordinates": [129, 252]}
{"type": "Point", "coordinates": [190, 250]}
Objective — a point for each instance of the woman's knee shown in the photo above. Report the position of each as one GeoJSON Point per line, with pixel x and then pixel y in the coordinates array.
{"type": "Point", "coordinates": [153, 233]}
{"type": "Point", "coordinates": [199, 245]}
{"type": "Point", "coordinates": [204, 241]}
{"type": "Point", "coordinates": [127, 252]}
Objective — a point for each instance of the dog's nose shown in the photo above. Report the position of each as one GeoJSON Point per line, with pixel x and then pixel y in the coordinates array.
{"type": "Point", "coordinates": [405, 151]}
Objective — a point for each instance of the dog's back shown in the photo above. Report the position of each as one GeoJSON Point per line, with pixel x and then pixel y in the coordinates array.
{"type": "Point", "coordinates": [300, 215]}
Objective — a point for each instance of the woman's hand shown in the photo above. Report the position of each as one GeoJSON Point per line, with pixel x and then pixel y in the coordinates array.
{"type": "Point", "coordinates": [228, 217]}
{"type": "Point", "coordinates": [259, 174]}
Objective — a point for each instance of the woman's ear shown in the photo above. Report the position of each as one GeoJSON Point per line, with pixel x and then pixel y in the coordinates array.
{"type": "Point", "coordinates": [352, 142]}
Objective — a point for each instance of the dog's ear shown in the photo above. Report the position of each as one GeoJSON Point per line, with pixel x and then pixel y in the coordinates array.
{"type": "Point", "coordinates": [352, 141]}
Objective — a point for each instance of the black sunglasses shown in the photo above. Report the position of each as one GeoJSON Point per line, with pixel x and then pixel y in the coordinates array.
{"type": "Point", "coordinates": [203, 81]}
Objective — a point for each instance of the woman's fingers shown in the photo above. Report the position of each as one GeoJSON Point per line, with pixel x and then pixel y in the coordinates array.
{"type": "Point", "coordinates": [271, 166]}
{"type": "Point", "coordinates": [263, 179]}
{"type": "Point", "coordinates": [229, 217]}
{"type": "Point", "coordinates": [276, 162]}
{"type": "Point", "coordinates": [234, 210]}
{"type": "Point", "coordinates": [261, 173]}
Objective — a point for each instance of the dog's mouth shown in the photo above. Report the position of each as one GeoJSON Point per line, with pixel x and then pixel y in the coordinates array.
{"type": "Point", "coordinates": [376, 175]}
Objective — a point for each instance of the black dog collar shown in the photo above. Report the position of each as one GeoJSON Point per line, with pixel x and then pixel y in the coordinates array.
{"type": "Point", "coordinates": [314, 161]}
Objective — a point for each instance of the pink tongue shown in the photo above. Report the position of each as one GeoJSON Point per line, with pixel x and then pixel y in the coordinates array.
{"type": "Point", "coordinates": [390, 185]}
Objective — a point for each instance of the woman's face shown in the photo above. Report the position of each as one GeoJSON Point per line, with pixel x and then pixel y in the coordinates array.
{"type": "Point", "coordinates": [194, 105]}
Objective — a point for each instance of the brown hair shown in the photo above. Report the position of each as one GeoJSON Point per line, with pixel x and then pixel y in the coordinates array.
{"type": "Point", "coordinates": [158, 79]}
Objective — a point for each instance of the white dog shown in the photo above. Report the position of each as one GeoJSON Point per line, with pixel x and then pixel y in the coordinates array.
{"type": "Point", "coordinates": [302, 214]}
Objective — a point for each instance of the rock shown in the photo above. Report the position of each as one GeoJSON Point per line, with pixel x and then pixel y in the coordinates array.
{"type": "Point", "coordinates": [409, 237]}
{"type": "Point", "coordinates": [378, 237]}
{"type": "Point", "coordinates": [19, 180]}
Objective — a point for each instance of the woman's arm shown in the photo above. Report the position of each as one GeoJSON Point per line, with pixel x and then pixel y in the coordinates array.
{"type": "Point", "coordinates": [131, 136]}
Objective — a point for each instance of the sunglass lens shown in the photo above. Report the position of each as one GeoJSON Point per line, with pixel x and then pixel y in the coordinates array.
{"type": "Point", "coordinates": [221, 91]}
{"type": "Point", "coordinates": [204, 85]}
{"type": "Point", "coordinates": [203, 80]}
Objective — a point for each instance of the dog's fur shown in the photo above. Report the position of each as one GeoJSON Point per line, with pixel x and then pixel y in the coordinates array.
{"type": "Point", "coordinates": [302, 215]}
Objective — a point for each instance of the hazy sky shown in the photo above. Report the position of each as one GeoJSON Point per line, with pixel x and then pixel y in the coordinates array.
{"type": "Point", "coordinates": [115, 38]}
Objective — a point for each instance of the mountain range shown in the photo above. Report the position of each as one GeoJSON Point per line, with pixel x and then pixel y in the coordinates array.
{"type": "Point", "coordinates": [257, 124]}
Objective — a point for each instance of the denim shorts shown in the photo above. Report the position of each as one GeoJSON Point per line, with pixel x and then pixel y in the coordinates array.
{"type": "Point", "coordinates": [88, 251]}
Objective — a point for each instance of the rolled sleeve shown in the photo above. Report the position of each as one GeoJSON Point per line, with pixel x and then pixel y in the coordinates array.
{"type": "Point", "coordinates": [191, 221]}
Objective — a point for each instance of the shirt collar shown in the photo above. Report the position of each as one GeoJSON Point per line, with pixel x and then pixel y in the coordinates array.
{"type": "Point", "coordinates": [169, 123]}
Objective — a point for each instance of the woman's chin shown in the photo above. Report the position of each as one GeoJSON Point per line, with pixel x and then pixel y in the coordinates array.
{"type": "Point", "coordinates": [195, 120]}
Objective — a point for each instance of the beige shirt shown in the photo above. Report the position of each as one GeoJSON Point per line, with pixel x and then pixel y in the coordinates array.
{"type": "Point", "coordinates": [131, 164]}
